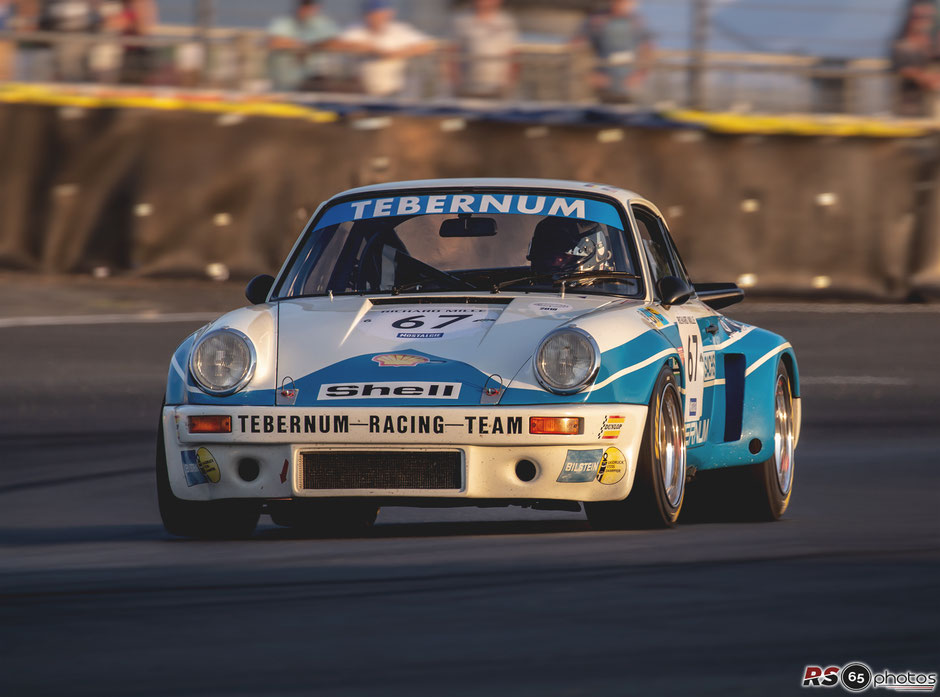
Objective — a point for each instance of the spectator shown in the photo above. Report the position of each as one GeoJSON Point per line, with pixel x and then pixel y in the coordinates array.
{"type": "Point", "coordinates": [137, 18]}
{"type": "Point", "coordinates": [34, 59]}
{"type": "Point", "coordinates": [623, 48]}
{"type": "Point", "coordinates": [913, 57]}
{"type": "Point", "coordinates": [6, 48]}
{"type": "Point", "coordinates": [70, 17]}
{"type": "Point", "coordinates": [384, 45]}
{"type": "Point", "coordinates": [105, 57]}
{"type": "Point", "coordinates": [485, 42]}
{"type": "Point", "coordinates": [294, 41]}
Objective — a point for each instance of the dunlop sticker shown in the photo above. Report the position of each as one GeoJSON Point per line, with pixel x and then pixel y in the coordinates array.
{"type": "Point", "coordinates": [611, 427]}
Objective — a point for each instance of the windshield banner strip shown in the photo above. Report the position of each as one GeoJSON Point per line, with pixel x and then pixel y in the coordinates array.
{"type": "Point", "coordinates": [519, 204]}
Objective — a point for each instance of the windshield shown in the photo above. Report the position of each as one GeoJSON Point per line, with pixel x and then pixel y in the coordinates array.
{"type": "Point", "coordinates": [464, 242]}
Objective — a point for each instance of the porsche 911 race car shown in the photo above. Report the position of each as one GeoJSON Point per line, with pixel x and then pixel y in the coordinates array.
{"type": "Point", "coordinates": [475, 342]}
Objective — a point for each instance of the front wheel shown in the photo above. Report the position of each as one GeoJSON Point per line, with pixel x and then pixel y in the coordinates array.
{"type": "Point", "coordinates": [217, 520]}
{"type": "Point", "coordinates": [659, 484]}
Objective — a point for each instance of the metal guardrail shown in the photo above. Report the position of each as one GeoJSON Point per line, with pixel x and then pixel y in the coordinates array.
{"type": "Point", "coordinates": [239, 59]}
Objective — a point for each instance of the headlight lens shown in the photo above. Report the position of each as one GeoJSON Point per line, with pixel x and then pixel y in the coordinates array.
{"type": "Point", "coordinates": [223, 361]}
{"type": "Point", "coordinates": [566, 361]}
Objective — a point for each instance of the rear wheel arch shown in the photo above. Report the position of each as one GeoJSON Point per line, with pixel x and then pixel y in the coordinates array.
{"type": "Point", "coordinates": [789, 362]}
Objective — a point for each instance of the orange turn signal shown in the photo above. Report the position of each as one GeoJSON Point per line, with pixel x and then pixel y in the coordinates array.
{"type": "Point", "coordinates": [210, 424]}
{"type": "Point", "coordinates": [556, 425]}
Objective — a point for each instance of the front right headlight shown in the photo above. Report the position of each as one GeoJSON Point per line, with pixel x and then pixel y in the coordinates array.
{"type": "Point", "coordinates": [223, 361]}
{"type": "Point", "coordinates": [567, 361]}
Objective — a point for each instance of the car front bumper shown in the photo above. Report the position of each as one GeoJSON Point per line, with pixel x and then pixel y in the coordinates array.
{"type": "Point", "coordinates": [261, 457]}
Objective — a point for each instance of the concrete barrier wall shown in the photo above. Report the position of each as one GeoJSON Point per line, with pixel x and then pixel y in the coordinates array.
{"type": "Point", "coordinates": [169, 193]}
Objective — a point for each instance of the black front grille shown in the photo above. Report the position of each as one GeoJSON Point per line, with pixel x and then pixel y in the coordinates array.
{"type": "Point", "coordinates": [380, 470]}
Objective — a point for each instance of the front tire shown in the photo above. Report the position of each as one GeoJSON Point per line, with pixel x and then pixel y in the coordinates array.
{"type": "Point", "coordinates": [215, 520]}
{"type": "Point", "coordinates": [659, 484]}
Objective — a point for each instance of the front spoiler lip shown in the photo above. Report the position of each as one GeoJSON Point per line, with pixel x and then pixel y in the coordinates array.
{"type": "Point", "coordinates": [535, 503]}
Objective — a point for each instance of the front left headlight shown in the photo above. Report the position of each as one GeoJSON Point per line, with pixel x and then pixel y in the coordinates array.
{"type": "Point", "coordinates": [223, 361]}
{"type": "Point", "coordinates": [567, 361]}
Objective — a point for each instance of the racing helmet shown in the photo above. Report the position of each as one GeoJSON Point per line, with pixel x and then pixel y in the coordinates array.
{"type": "Point", "coordinates": [564, 245]}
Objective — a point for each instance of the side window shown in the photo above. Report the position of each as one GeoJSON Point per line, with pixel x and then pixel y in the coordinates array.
{"type": "Point", "coordinates": [659, 250]}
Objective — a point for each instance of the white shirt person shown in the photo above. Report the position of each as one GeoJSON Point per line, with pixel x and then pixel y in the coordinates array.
{"type": "Point", "coordinates": [384, 45]}
{"type": "Point", "coordinates": [485, 43]}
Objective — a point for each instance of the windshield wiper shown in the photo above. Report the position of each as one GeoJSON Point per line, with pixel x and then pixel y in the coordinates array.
{"type": "Point", "coordinates": [440, 276]}
{"type": "Point", "coordinates": [557, 278]}
{"type": "Point", "coordinates": [462, 285]}
{"type": "Point", "coordinates": [432, 274]}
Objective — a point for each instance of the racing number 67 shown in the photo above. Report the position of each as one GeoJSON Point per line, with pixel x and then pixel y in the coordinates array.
{"type": "Point", "coordinates": [692, 360]}
{"type": "Point", "coordinates": [416, 321]}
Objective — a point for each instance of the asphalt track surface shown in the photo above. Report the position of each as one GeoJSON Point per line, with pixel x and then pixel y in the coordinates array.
{"type": "Point", "coordinates": [96, 599]}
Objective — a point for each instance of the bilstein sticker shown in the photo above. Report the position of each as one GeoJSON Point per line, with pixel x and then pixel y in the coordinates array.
{"type": "Point", "coordinates": [613, 467]}
{"type": "Point", "coordinates": [580, 466]}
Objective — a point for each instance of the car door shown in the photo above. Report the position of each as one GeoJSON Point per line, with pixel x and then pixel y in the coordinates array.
{"type": "Point", "coordinates": [696, 324]}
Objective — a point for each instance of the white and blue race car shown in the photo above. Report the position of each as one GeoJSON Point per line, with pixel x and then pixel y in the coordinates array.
{"type": "Point", "coordinates": [475, 342]}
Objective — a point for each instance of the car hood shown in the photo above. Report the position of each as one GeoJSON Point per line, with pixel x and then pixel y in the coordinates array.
{"type": "Point", "coordinates": [439, 349]}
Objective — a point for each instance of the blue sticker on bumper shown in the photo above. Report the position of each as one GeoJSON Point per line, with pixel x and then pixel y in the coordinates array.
{"type": "Point", "coordinates": [194, 475]}
{"type": "Point", "coordinates": [580, 466]}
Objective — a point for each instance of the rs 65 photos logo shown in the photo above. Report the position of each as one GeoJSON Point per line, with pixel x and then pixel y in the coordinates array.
{"type": "Point", "coordinates": [858, 677]}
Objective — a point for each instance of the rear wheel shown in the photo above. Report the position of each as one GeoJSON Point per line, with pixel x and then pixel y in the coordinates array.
{"type": "Point", "coordinates": [200, 519]}
{"type": "Point", "coordinates": [659, 484]}
{"type": "Point", "coordinates": [761, 491]}
{"type": "Point", "coordinates": [324, 517]}
{"type": "Point", "coordinates": [764, 489]}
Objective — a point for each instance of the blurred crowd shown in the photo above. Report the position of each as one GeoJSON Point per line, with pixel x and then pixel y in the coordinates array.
{"type": "Point", "coordinates": [116, 41]}
{"type": "Point", "coordinates": [109, 55]}
{"type": "Point", "coordinates": [481, 60]}
{"type": "Point", "coordinates": [916, 59]}
{"type": "Point", "coordinates": [307, 51]}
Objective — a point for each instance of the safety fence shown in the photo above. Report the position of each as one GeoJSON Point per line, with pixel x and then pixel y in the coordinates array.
{"type": "Point", "coordinates": [222, 192]}
{"type": "Point", "coordinates": [742, 82]}
{"type": "Point", "coordinates": [328, 107]}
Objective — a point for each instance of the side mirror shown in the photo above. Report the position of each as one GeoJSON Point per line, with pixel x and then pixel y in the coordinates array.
{"type": "Point", "coordinates": [258, 288]}
{"type": "Point", "coordinates": [674, 291]}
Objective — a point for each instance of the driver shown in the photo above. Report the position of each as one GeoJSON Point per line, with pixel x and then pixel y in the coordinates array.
{"type": "Point", "coordinates": [564, 245]}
